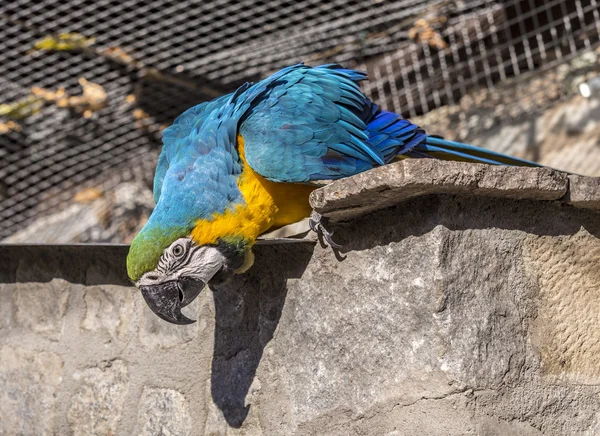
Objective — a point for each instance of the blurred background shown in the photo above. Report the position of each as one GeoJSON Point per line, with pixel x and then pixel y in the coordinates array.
{"type": "Point", "coordinates": [87, 87]}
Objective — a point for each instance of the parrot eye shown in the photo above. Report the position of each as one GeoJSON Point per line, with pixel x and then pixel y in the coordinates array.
{"type": "Point", "coordinates": [178, 250]}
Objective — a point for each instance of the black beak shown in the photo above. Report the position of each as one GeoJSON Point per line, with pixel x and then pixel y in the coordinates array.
{"type": "Point", "coordinates": [166, 299]}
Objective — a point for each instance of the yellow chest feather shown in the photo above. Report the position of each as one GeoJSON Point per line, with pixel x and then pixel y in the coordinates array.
{"type": "Point", "coordinates": [268, 204]}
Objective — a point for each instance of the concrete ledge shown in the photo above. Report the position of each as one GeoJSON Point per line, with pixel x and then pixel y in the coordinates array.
{"type": "Point", "coordinates": [387, 186]}
{"type": "Point", "coordinates": [584, 192]}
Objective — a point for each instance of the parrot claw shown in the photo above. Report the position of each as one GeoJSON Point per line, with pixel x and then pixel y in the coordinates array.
{"type": "Point", "coordinates": [316, 225]}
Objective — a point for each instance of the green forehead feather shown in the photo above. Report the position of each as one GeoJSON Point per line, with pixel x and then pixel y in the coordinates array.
{"type": "Point", "coordinates": [147, 247]}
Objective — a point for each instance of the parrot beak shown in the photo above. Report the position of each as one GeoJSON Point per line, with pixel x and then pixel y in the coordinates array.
{"type": "Point", "coordinates": [166, 299]}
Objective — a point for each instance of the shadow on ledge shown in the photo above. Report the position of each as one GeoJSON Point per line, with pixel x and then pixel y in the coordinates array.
{"type": "Point", "coordinates": [421, 215]}
{"type": "Point", "coordinates": [247, 311]}
{"type": "Point", "coordinates": [88, 264]}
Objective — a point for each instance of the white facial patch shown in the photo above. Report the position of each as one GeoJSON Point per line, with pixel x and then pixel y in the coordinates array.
{"type": "Point", "coordinates": [204, 264]}
{"type": "Point", "coordinates": [184, 259]}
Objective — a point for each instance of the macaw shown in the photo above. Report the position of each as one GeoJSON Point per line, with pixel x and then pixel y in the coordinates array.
{"type": "Point", "coordinates": [233, 168]}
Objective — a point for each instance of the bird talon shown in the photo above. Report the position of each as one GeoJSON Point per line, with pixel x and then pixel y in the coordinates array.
{"type": "Point", "coordinates": [316, 224]}
{"type": "Point", "coordinates": [329, 240]}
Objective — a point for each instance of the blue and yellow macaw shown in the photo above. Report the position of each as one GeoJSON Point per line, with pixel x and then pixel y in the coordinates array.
{"type": "Point", "coordinates": [239, 165]}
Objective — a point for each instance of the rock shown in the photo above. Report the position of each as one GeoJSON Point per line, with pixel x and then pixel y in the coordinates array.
{"type": "Point", "coordinates": [6, 307]}
{"type": "Point", "coordinates": [108, 308]}
{"type": "Point", "coordinates": [163, 412]}
{"type": "Point", "coordinates": [29, 382]}
{"type": "Point", "coordinates": [497, 427]}
{"type": "Point", "coordinates": [344, 303]}
{"type": "Point", "coordinates": [133, 204]}
{"type": "Point", "coordinates": [41, 307]}
{"type": "Point", "coordinates": [386, 186]}
{"type": "Point", "coordinates": [216, 423]}
{"type": "Point", "coordinates": [565, 331]}
{"type": "Point", "coordinates": [584, 192]}
{"type": "Point", "coordinates": [87, 264]}
{"type": "Point", "coordinates": [97, 403]}
{"type": "Point", "coordinates": [451, 418]}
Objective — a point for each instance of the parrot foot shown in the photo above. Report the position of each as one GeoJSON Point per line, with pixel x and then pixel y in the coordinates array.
{"type": "Point", "coordinates": [317, 225]}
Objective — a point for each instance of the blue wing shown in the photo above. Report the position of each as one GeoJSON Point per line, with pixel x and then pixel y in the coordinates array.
{"type": "Point", "coordinates": [306, 123]}
{"type": "Point", "coordinates": [177, 136]}
{"type": "Point", "coordinates": [303, 124]}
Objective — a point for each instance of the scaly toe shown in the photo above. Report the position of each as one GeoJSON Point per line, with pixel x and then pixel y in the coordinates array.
{"type": "Point", "coordinates": [329, 240]}
{"type": "Point", "coordinates": [316, 224]}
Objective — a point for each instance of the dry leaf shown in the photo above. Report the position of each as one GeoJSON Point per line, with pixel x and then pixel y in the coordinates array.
{"type": "Point", "coordinates": [9, 126]}
{"type": "Point", "coordinates": [422, 31]}
{"type": "Point", "coordinates": [87, 195]}
{"type": "Point", "coordinates": [120, 55]}
{"type": "Point", "coordinates": [46, 94]}
{"type": "Point", "coordinates": [140, 114]}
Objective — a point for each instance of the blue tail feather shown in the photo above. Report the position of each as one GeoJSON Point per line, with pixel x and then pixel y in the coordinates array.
{"type": "Point", "coordinates": [383, 120]}
{"type": "Point", "coordinates": [433, 150]}
{"type": "Point", "coordinates": [434, 145]}
{"type": "Point", "coordinates": [393, 135]}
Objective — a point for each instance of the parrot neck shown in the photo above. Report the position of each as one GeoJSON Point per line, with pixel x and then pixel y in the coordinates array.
{"type": "Point", "coordinates": [267, 204]}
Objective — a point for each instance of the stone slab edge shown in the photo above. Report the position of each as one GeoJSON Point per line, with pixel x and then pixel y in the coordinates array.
{"type": "Point", "coordinates": [584, 192]}
{"type": "Point", "coordinates": [397, 182]}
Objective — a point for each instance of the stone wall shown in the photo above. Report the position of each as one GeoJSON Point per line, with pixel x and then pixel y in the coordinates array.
{"type": "Point", "coordinates": [465, 302]}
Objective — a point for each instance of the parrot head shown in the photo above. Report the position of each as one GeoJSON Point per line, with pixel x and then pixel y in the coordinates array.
{"type": "Point", "coordinates": [171, 269]}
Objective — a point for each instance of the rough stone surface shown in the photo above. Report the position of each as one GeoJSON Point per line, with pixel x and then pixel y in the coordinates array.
{"type": "Point", "coordinates": [29, 381]}
{"type": "Point", "coordinates": [108, 310]}
{"type": "Point", "coordinates": [41, 307]}
{"type": "Point", "coordinates": [584, 192]}
{"type": "Point", "coordinates": [442, 315]}
{"type": "Point", "coordinates": [163, 412]}
{"type": "Point", "coordinates": [6, 307]}
{"type": "Point", "coordinates": [400, 181]}
{"type": "Point", "coordinates": [569, 281]}
{"type": "Point", "coordinates": [97, 403]}
{"type": "Point", "coordinates": [495, 427]}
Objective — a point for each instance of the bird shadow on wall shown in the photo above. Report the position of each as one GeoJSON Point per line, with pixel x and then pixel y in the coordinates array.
{"type": "Point", "coordinates": [247, 311]}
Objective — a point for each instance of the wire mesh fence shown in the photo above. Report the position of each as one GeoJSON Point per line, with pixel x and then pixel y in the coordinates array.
{"type": "Point", "coordinates": [480, 47]}
{"type": "Point", "coordinates": [89, 85]}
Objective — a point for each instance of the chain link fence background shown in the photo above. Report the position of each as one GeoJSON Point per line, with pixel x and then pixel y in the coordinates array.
{"type": "Point", "coordinates": [87, 86]}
